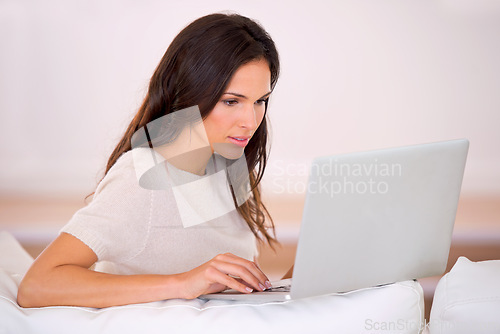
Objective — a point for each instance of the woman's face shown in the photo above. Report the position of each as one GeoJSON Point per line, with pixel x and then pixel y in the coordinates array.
{"type": "Point", "coordinates": [239, 112]}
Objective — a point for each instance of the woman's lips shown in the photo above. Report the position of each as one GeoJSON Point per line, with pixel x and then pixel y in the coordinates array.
{"type": "Point", "coordinates": [240, 141]}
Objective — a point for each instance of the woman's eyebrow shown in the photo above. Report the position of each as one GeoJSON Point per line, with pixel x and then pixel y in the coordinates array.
{"type": "Point", "coordinates": [244, 97]}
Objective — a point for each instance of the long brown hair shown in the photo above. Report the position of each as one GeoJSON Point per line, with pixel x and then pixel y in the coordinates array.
{"type": "Point", "coordinates": [195, 70]}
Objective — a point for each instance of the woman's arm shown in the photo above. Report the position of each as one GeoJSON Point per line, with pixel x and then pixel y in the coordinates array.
{"type": "Point", "coordinates": [289, 274]}
{"type": "Point", "coordinates": [61, 276]}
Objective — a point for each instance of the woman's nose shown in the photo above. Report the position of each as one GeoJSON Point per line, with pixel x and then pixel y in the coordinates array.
{"type": "Point", "coordinates": [248, 118]}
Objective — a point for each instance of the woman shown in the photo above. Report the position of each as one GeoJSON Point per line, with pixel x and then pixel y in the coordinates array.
{"type": "Point", "coordinates": [227, 65]}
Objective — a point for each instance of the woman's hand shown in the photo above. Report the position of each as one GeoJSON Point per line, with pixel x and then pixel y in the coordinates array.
{"type": "Point", "coordinates": [223, 271]}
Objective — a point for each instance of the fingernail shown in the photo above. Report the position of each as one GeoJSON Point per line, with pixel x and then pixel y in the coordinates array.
{"type": "Point", "coordinates": [268, 285]}
{"type": "Point", "coordinates": [249, 289]}
{"type": "Point", "coordinates": [262, 287]}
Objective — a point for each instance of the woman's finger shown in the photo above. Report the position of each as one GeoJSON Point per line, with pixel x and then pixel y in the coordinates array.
{"type": "Point", "coordinates": [220, 277]}
{"type": "Point", "coordinates": [251, 266]}
{"type": "Point", "coordinates": [240, 271]}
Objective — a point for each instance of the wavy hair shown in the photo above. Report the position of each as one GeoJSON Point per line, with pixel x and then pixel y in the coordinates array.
{"type": "Point", "coordinates": [195, 70]}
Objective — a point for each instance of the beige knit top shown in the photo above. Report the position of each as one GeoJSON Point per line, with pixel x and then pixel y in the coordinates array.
{"type": "Point", "coordinates": [134, 230]}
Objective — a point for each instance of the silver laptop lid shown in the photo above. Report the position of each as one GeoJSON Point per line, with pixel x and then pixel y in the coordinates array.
{"type": "Point", "coordinates": [378, 217]}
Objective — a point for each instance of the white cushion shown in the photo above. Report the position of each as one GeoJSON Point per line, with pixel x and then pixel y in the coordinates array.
{"type": "Point", "coordinates": [13, 257]}
{"type": "Point", "coordinates": [467, 299]}
{"type": "Point", "coordinates": [396, 307]}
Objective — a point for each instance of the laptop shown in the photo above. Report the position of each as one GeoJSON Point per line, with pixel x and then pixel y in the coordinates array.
{"type": "Point", "coordinates": [373, 218]}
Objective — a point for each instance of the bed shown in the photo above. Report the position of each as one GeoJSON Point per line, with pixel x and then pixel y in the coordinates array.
{"type": "Point", "coordinates": [396, 308]}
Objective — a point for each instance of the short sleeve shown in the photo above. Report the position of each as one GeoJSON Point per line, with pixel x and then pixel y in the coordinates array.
{"type": "Point", "coordinates": [116, 223]}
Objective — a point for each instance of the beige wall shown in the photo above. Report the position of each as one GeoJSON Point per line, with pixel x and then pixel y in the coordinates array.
{"type": "Point", "coordinates": [356, 75]}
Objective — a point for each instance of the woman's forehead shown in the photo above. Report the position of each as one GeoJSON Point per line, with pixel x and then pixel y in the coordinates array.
{"type": "Point", "coordinates": [251, 79]}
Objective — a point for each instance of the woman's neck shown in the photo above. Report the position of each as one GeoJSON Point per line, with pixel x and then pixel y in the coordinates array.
{"type": "Point", "coordinates": [190, 151]}
{"type": "Point", "coordinates": [194, 161]}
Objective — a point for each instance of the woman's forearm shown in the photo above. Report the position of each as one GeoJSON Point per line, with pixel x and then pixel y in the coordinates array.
{"type": "Point", "coordinates": [60, 276]}
{"type": "Point", "coordinates": [73, 285]}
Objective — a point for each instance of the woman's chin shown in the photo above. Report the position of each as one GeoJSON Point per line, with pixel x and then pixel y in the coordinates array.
{"type": "Point", "coordinates": [228, 150]}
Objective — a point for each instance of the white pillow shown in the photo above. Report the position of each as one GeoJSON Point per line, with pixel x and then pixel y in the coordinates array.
{"type": "Point", "coordinates": [467, 299]}
{"type": "Point", "coordinates": [397, 307]}
{"type": "Point", "coordinates": [13, 257]}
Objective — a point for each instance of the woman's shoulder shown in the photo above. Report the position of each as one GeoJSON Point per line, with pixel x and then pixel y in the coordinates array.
{"type": "Point", "coordinates": [123, 174]}
{"type": "Point", "coordinates": [126, 159]}
{"type": "Point", "coordinates": [136, 160]}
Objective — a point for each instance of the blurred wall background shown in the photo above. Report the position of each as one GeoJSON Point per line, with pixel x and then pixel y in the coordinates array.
{"type": "Point", "coordinates": [356, 75]}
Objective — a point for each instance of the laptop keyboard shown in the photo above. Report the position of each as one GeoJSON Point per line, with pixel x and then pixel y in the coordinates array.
{"type": "Point", "coordinates": [281, 286]}
{"type": "Point", "coordinates": [284, 288]}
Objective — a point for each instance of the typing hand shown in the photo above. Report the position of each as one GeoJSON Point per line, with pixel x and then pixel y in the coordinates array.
{"type": "Point", "coordinates": [222, 272]}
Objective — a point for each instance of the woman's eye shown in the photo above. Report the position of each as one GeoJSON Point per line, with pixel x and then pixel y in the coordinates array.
{"type": "Point", "coordinates": [261, 101]}
{"type": "Point", "coordinates": [229, 102]}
